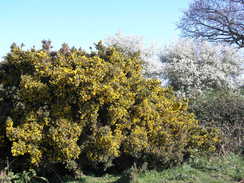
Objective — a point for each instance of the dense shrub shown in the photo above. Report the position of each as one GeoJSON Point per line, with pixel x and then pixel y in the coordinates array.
{"type": "Point", "coordinates": [94, 109]}
{"type": "Point", "coordinates": [224, 110]}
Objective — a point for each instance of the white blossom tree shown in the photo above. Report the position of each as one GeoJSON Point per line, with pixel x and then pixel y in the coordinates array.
{"type": "Point", "coordinates": [191, 67]}
{"type": "Point", "coordinates": [132, 44]}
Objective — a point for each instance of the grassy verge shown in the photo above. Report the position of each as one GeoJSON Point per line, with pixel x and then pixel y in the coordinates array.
{"type": "Point", "coordinates": [227, 169]}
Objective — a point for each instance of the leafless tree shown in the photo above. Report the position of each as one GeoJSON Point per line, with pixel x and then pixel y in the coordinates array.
{"type": "Point", "coordinates": [215, 20]}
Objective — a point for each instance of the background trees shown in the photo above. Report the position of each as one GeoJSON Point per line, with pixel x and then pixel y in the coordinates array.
{"type": "Point", "coordinates": [194, 67]}
{"type": "Point", "coordinates": [187, 65]}
{"type": "Point", "coordinates": [191, 67]}
{"type": "Point", "coordinates": [215, 20]}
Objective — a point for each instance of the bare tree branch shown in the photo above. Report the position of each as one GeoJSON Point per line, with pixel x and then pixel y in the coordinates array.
{"type": "Point", "coordinates": [215, 20]}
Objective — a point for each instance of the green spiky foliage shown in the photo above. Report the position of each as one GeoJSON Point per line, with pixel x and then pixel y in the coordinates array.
{"type": "Point", "coordinates": [93, 108]}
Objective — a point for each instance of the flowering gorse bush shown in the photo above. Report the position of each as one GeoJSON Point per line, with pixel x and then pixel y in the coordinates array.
{"type": "Point", "coordinates": [92, 108]}
{"type": "Point", "coordinates": [191, 67]}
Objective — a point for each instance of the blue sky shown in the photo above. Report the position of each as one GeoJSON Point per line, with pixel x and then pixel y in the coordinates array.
{"type": "Point", "coordinates": [80, 23]}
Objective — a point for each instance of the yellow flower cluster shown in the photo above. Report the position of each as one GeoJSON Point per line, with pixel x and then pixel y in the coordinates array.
{"type": "Point", "coordinates": [65, 136]}
{"type": "Point", "coordinates": [25, 139]}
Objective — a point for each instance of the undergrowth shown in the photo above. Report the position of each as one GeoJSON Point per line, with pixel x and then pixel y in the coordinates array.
{"type": "Point", "coordinates": [218, 169]}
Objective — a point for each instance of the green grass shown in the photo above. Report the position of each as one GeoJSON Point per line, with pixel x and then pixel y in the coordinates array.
{"type": "Point", "coordinates": [227, 169]}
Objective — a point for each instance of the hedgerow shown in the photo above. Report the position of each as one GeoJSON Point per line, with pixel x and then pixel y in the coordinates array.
{"type": "Point", "coordinates": [94, 109]}
{"type": "Point", "coordinates": [224, 110]}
